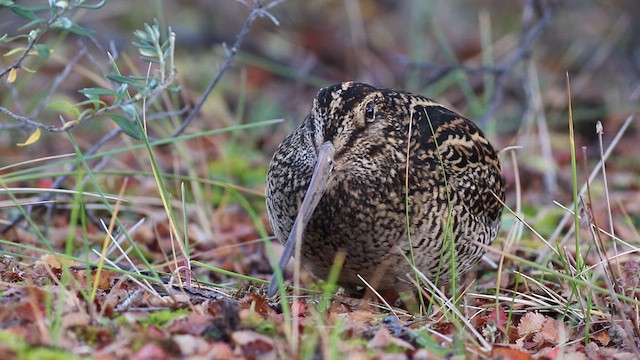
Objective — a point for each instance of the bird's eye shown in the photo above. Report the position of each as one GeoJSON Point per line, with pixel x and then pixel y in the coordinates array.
{"type": "Point", "coordinates": [369, 112]}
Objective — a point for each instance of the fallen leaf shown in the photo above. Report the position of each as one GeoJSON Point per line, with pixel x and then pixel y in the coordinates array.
{"type": "Point", "coordinates": [499, 317]}
{"type": "Point", "coordinates": [549, 333]}
{"type": "Point", "coordinates": [530, 324]}
{"type": "Point", "coordinates": [220, 350]}
{"type": "Point", "coordinates": [75, 319]}
{"type": "Point", "coordinates": [169, 300]}
{"type": "Point", "coordinates": [602, 337]}
{"type": "Point", "coordinates": [256, 303]}
{"type": "Point", "coordinates": [150, 351]}
{"type": "Point", "coordinates": [383, 339]}
{"type": "Point", "coordinates": [254, 345]}
{"type": "Point", "coordinates": [507, 353]}
{"type": "Point", "coordinates": [32, 138]}
{"type": "Point", "coordinates": [55, 262]}
{"type": "Point", "coordinates": [190, 344]}
{"type": "Point", "coordinates": [194, 324]}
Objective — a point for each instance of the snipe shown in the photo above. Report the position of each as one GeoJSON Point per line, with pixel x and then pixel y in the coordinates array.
{"type": "Point", "coordinates": [389, 178]}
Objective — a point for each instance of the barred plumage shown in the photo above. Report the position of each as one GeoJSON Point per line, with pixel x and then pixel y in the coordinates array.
{"type": "Point", "coordinates": [447, 188]}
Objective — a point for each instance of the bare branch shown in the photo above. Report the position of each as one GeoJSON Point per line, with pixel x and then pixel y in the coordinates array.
{"type": "Point", "coordinates": [33, 42]}
{"type": "Point", "coordinates": [138, 97]}
{"type": "Point", "coordinates": [16, 64]}
{"type": "Point", "coordinates": [257, 11]}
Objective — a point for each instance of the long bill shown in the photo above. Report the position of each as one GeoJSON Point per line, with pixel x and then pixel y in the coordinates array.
{"type": "Point", "coordinates": [317, 187]}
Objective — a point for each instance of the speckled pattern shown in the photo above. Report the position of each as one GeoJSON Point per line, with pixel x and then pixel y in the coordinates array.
{"type": "Point", "coordinates": [453, 174]}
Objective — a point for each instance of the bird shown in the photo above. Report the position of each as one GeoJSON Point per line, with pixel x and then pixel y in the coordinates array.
{"type": "Point", "coordinates": [394, 181]}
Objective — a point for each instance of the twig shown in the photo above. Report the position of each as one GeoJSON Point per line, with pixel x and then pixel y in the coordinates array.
{"type": "Point", "coordinates": [257, 11]}
{"type": "Point", "coordinates": [69, 125]}
{"type": "Point", "coordinates": [33, 42]}
{"type": "Point", "coordinates": [16, 64]}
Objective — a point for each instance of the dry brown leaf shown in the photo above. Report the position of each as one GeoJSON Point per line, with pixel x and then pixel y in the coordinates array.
{"type": "Point", "coordinates": [150, 351]}
{"type": "Point", "coordinates": [54, 262]}
{"type": "Point", "coordinates": [444, 328]}
{"type": "Point", "coordinates": [220, 350]}
{"type": "Point", "coordinates": [530, 324]}
{"type": "Point", "coordinates": [194, 324]}
{"type": "Point", "coordinates": [549, 333]}
{"type": "Point", "coordinates": [361, 316]}
{"type": "Point", "coordinates": [507, 353]}
{"type": "Point", "coordinates": [75, 319]}
{"type": "Point", "coordinates": [169, 300]}
{"type": "Point", "coordinates": [254, 345]}
{"type": "Point", "coordinates": [256, 303]}
{"type": "Point", "coordinates": [631, 273]}
{"type": "Point", "coordinates": [595, 352]}
{"type": "Point", "coordinates": [383, 339]}
{"type": "Point", "coordinates": [602, 337]}
{"type": "Point", "coordinates": [191, 345]}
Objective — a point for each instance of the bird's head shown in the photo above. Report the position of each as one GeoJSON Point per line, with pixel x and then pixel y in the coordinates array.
{"type": "Point", "coordinates": [355, 118]}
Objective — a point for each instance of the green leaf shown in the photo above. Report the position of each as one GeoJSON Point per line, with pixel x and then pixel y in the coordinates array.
{"type": "Point", "coordinates": [31, 24]}
{"type": "Point", "coordinates": [121, 91]}
{"type": "Point", "coordinates": [149, 60]}
{"type": "Point", "coordinates": [79, 30]}
{"type": "Point", "coordinates": [153, 82]}
{"type": "Point", "coordinates": [15, 51]}
{"type": "Point", "coordinates": [141, 35]}
{"type": "Point", "coordinates": [95, 6]}
{"type": "Point", "coordinates": [66, 24]}
{"type": "Point", "coordinates": [43, 50]}
{"type": "Point", "coordinates": [63, 22]}
{"type": "Point", "coordinates": [59, 4]}
{"type": "Point", "coordinates": [130, 111]}
{"type": "Point", "coordinates": [23, 11]}
{"type": "Point", "coordinates": [6, 38]}
{"type": "Point", "coordinates": [97, 91]}
{"type": "Point", "coordinates": [65, 107]}
{"type": "Point", "coordinates": [33, 35]}
{"type": "Point", "coordinates": [87, 113]}
{"type": "Point", "coordinates": [127, 126]}
{"type": "Point", "coordinates": [95, 102]}
{"type": "Point", "coordinates": [6, 2]}
{"type": "Point", "coordinates": [124, 80]}
{"type": "Point", "coordinates": [145, 51]}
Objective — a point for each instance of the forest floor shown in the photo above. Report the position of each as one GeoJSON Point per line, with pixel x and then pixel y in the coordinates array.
{"type": "Point", "coordinates": [127, 242]}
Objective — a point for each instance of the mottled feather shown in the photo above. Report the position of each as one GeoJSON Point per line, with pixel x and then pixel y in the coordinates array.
{"type": "Point", "coordinates": [452, 193]}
